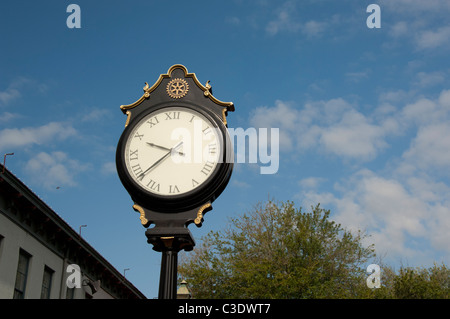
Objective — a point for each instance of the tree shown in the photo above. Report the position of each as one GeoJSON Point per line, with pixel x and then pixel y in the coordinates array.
{"type": "Point", "coordinates": [278, 251]}
{"type": "Point", "coordinates": [422, 283]}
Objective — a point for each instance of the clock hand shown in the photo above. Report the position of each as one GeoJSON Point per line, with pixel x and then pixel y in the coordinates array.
{"type": "Point", "coordinates": [142, 175]}
{"type": "Point", "coordinates": [164, 148]}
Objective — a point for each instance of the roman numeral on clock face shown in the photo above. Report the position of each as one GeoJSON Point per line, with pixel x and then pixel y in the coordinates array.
{"type": "Point", "coordinates": [207, 130]}
{"type": "Point", "coordinates": [172, 115]}
{"type": "Point", "coordinates": [133, 155]}
{"type": "Point", "coordinates": [207, 167]}
{"type": "Point", "coordinates": [212, 148]}
{"type": "Point", "coordinates": [137, 170]}
{"type": "Point", "coordinates": [153, 121]}
{"type": "Point", "coordinates": [173, 189]}
{"type": "Point", "coordinates": [140, 136]}
{"type": "Point", "coordinates": [153, 185]}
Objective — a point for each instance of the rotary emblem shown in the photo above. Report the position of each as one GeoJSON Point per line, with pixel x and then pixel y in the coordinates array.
{"type": "Point", "coordinates": [177, 88]}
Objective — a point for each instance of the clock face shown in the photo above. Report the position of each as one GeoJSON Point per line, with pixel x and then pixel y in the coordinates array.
{"type": "Point", "coordinates": [172, 151]}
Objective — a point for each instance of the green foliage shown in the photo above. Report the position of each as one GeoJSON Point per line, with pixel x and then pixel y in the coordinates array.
{"type": "Point", "coordinates": [278, 251]}
{"type": "Point", "coordinates": [431, 283]}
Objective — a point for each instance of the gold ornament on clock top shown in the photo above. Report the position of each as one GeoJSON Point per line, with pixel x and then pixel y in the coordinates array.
{"type": "Point", "coordinates": [177, 88]}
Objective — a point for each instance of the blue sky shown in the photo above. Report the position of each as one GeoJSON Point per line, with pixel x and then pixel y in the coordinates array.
{"type": "Point", "coordinates": [363, 113]}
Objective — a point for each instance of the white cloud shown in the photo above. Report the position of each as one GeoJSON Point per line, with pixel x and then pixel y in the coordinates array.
{"type": "Point", "coordinates": [311, 182]}
{"type": "Point", "coordinates": [95, 115]}
{"type": "Point", "coordinates": [430, 149]}
{"type": "Point", "coordinates": [21, 137]}
{"type": "Point", "coordinates": [405, 207]}
{"type": "Point", "coordinates": [399, 29]}
{"type": "Point", "coordinates": [422, 23]}
{"type": "Point", "coordinates": [314, 28]}
{"type": "Point", "coordinates": [334, 126]}
{"type": "Point", "coordinates": [12, 92]}
{"type": "Point", "coordinates": [415, 6]}
{"type": "Point", "coordinates": [392, 206]}
{"type": "Point", "coordinates": [440, 225]}
{"type": "Point", "coordinates": [353, 136]}
{"type": "Point", "coordinates": [444, 100]}
{"type": "Point", "coordinates": [398, 96]}
{"type": "Point", "coordinates": [284, 20]}
{"type": "Point", "coordinates": [427, 79]}
{"type": "Point", "coordinates": [432, 39]}
{"type": "Point", "coordinates": [288, 19]}
{"type": "Point", "coordinates": [401, 216]}
{"type": "Point", "coordinates": [109, 168]}
{"type": "Point", "coordinates": [8, 95]}
{"type": "Point", "coordinates": [282, 116]}
{"type": "Point", "coordinates": [337, 127]}
{"type": "Point", "coordinates": [241, 184]}
{"type": "Point", "coordinates": [357, 76]}
{"type": "Point", "coordinates": [420, 112]}
{"type": "Point", "coordinates": [235, 21]}
{"type": "Point", "coordinates": [56, 169]}
{"type": "Point", "coordinates": [7, 117]}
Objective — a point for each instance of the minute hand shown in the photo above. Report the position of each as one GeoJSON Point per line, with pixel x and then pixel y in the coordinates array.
{"type": "Point", "coordinates": [142, 175]}
{"type": "Point", "coordinates": [163, 148]}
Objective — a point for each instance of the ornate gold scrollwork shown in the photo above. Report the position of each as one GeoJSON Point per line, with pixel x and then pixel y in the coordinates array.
{"type": "Point", "coordinates": [178, 91]}
{"type": "Point", "coordinates": [208, 89]}
{"type": "Point", "coordinates": [139, 209]}
{"type": "Point", "coordinates": [126, 108]}
{"type": "Point", "coordinates": [199, 218]}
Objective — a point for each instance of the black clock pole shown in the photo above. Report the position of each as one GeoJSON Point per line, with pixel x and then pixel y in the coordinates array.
{"type": "Point", "coordinates": [169, 242]}
{"type": "Point", "coordinates": [168, 277]}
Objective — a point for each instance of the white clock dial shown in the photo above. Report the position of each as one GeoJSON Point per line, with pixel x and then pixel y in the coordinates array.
{"type": "Point", "coordinates": [172, 151]}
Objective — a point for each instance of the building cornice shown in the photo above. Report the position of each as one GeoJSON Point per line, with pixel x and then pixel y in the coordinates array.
{"type": "Point", "coordinates": [30, 212]}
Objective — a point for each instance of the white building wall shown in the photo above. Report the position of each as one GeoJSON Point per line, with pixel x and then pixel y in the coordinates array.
{"type": "Point", "coordinates": [36, 237]}
{"type": "Point", "coordinates": [15, 238]}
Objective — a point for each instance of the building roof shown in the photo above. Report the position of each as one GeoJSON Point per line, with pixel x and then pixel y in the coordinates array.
{"type": "Point", "coordinates": [38, 215]}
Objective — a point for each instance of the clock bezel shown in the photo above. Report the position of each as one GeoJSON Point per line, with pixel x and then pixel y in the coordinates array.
{"type": "Point", "coordinates": [206, 192]}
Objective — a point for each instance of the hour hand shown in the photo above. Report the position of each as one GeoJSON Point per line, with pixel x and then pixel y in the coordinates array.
{"type": "Point", "coordinates": [164, 148]}
{"type": "Point", "coordinates": [170, 150]}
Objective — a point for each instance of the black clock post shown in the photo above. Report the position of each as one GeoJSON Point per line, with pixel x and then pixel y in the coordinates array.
{"type": "Point", "coordinates": [170, 212]}
{"type": "Point", "coordinates": [170, 236]}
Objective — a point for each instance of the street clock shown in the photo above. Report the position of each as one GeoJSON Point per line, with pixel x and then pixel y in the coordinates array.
{"type": "Point", "coordinates": [174, 156]}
